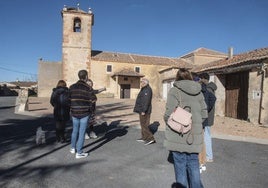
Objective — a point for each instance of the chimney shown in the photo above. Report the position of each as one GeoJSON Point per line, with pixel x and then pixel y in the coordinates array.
{"type": "Point", "coordinates": [230, 52]}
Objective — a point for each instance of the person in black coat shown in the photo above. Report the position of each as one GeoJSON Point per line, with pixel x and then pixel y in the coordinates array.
{"type": "Point", "coordinates": [143, 107]}
{"type": "Point", "coordinates": [60, 100]}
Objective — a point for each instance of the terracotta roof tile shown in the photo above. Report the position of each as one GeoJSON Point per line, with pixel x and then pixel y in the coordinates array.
{"type": "Point", "coordinates": [24, 84]}
{"type": "Point", "coordinates": [127, 72]}
{"type": "Point", "coordinates": [138, 59]}
{"type": "Point", "coordinates": [250, 57]}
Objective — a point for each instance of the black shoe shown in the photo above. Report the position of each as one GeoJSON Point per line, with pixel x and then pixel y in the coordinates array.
{"type": "Point", "coordinates": [140, 140]}
{"type": "Point", "coordinates": [149, 142]}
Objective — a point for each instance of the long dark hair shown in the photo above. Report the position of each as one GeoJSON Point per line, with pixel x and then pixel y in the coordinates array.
{"type": "Point", "coordinates": [183, 74]}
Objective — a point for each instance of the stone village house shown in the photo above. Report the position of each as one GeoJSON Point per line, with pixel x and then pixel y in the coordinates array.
{"type": "Point", "coordinates": [238, 86]}
{"type": "Point", "coordinates": [242, 82]}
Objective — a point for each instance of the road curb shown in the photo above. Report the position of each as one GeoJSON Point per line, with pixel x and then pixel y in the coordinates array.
{"type": "Point", "coordinates": [241, 138]}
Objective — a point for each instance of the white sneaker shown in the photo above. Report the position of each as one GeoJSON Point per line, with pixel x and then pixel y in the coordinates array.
{"type": "Point", "coordinates": [149, 142]}
{"type": "Point", "coordinates": [72, 150]}
{"type": "Point", "coordinates": [202, 168]}
{"type": "Point", "coordinates": [81, 155]}
{"type": "Point", "coordinates": [92, 134]}
{"type": "Point", "coordinates": [86, 136]}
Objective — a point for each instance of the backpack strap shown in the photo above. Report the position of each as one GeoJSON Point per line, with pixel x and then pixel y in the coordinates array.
{"type": "Point", "coordinates": [180, 100]}
{"type": "Point", "coordinates": [190, 134]}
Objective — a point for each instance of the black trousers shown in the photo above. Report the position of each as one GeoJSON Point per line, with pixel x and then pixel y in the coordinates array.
{"type": "Point", "coordinates": [60, 130]}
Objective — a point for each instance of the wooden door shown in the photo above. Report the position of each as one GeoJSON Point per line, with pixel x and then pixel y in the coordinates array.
{"type": "Point", "coordinates": [236, 102]}
{"type": "Point", "coordinates": [125, 91]}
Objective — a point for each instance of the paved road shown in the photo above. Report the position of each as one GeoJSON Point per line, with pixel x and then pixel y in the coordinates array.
{"type": "Point", "coordinates": [116, 160]}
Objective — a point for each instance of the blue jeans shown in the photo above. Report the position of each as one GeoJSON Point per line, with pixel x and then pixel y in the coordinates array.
{"type": "Point", "coordinates": [208, 143]}
{"type": "Point", "coordinates": [186, 166]}
{"type": "Point", "coordinates": [78, 134]}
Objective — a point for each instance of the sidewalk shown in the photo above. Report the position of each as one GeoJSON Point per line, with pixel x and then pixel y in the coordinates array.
{"type": "Point", "coordinates": [121, 110]}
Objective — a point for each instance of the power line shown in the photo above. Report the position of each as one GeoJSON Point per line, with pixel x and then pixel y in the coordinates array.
{"type": "Point", "coordinates": [10, 70]}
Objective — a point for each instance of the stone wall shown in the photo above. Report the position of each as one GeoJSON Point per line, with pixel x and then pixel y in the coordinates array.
{"type": "Point", "coordinates": [22, 100]}
{"type": "Point", "coordinates": [49, 73]}
{"type": "Point", "coordinates": [254, 96]}
{"type": "Point", "coordinates": [264, 115]}
{"type": "Point", "coordinates": [101, 78]}
{"type": "Point", "coordinates": [203, 59]}
{"type": "Point", "coordinates": [219, 80]}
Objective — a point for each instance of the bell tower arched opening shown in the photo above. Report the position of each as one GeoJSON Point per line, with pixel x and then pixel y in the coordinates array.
{"type": "Point", "coordinates": [77, 25]}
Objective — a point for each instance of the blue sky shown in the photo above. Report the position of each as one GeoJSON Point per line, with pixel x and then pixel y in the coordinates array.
{"type": "Point", "coordinates": [31, 29]}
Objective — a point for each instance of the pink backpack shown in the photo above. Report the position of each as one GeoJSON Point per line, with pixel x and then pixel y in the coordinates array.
{"type": "Point", "coordinates": [180, 121]}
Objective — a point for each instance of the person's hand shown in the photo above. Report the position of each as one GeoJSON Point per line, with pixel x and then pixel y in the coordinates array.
{"type": "Point", "coordinates": [102, 89]}
{"type": "Point", "coordinates": [142, 113]}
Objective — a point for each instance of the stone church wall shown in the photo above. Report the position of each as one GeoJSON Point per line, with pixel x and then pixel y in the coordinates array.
{"type": "Point", "coordinates": [49, 73]}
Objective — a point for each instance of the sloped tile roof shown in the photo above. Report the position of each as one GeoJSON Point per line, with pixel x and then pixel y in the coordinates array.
{"type": "Point", "coordinates": [204, 51]}
{"type": "Point", "coordinates": [7, 84]}
{"type": "Point", "coordinates": [242, 59]}
{"type": "Point", "coordinates": [127, 72]}
{"type": "Point", "coordinates": [24, 84]}
{"type": "Point", "coordinates": [138, 59]}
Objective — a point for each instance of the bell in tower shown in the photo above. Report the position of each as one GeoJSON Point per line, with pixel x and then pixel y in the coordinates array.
{"type": "Point", "coordinates": [77, 25]}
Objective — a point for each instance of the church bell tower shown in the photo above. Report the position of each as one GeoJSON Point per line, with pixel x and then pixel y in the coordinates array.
{"type": "Point", "coordinates": [76, 42]}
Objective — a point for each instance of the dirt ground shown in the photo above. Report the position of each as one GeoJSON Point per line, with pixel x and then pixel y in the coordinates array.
{"type": "Point", "coordinates": [236, 127]}
{"type": "Point", "coordinates": [110, 109]}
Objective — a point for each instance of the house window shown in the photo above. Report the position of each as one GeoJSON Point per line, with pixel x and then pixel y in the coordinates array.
{"type": "Point", "coordinates": [109, 68]}
{"type": "Point", "coordinates": [77, 25]}
{"type": "Point", "coordinates": [137, 69]}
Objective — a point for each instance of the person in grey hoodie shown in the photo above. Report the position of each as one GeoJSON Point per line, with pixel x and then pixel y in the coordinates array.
{"type": "Point", "coordinates": [184, 152]}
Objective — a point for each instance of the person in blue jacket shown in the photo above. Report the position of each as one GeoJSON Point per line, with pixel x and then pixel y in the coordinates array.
{"type": "Point", "coordinates": [208, 89]}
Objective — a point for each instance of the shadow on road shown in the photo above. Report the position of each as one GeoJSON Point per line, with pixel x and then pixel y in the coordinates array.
{"type": "Point", "coordinates": [20, 154]}
{"type": "Point", "coordinates": [108, 133]}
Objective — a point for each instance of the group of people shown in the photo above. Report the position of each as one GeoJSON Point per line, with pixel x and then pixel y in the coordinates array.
{"type": "Point", "coordinates": [80, 101]}
{"type": "Point", "coordinates": [198, 94]}
{"type": "Point", "coordinates": [189, 90]}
